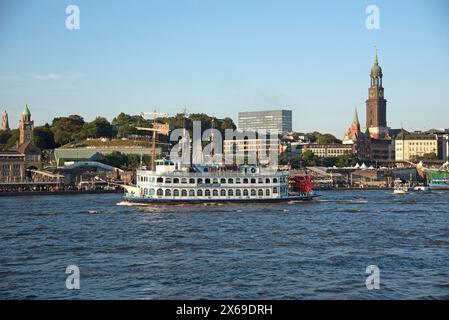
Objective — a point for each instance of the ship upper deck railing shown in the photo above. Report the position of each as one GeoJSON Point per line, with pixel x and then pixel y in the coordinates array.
{"type": "Point", "coordinates": [212, 173]}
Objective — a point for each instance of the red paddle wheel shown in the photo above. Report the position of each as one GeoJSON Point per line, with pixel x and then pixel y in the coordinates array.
{"type": "Point", "coordinates": [302, 184]}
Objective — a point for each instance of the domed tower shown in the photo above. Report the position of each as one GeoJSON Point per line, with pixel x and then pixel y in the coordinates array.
{"type": "Point", "coordinates": [376, 105]}
{"type": "Point", "coordinates": [26, 126]}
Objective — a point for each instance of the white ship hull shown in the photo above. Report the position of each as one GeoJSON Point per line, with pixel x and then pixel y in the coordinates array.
{"type": "Point", "coordinates": [143, 201]}
{"type": "Point", "coordinates": [169, 185]}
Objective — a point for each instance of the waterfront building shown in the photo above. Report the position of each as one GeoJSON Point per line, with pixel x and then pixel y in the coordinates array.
{"type": "Point", "coordinates": [18, 164]}
{"type": "Point", "coordinates": [367, 179]}
{"type": "Point", "coordinates": [68, 156]}
{"type": "Point", "coordinates": [5, 122]}
{"type": "Point", "coordinates": [278, 120]}
{"type": "Point", "coordinates": [443, 142]}
{"type": "Point", "coordinates": [411, 145]}
{"type": "Point", "coordinates": [241, 148]}
{"type": "Point", "coordinates": [380, 150]}
{"type": "Point", "coordinates": [92, 173]}
{"type": "Point", "coordinates": [329, 150]}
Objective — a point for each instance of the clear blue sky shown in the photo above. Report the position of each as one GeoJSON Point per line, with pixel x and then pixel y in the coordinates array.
{"type": "Point", "coordinates": [225, 56]}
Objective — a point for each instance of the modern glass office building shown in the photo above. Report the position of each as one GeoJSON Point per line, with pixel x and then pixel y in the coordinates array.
{"type": "Point", "coordinates": [280, 120]}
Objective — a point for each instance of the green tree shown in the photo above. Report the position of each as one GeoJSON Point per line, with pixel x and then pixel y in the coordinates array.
{"type": "Point", "coordinates": [282, 160]}
{"type": "Point", "coordinates": [4, 137]}
{"type": "Point", "coordinates": [126, 124]}
{"type": "Point", "coordinates": [313, 136]}
{"type": "Point", "coordinates": [124, 161]}
{"type": "Point", "coordinates": [98, 128]}
{"type": "Point", "coordinates": [126, 130]}
{"type": "Point", "coordinates": [12, 140]}
{"type": "Point", "coordinates": [308, 159]}
{"type": "Point", "coordinates": [327, 162]}
{"type": "Point", "coordinates": [227, 123]}
{"type": "Point", "coordinates": [346, 160]}
{"type": "Point", "coordinates": [317, 137]}
{"type": "Point", "coordinates": [295, 163]}
{"type": "Point", "coordinates": [43, 137]}
{"type": "Point", "coordinates": [122, 119]}
{"type": "Point", "coordinates": [328, 138]}
{"type": "Point", "coordinates": [67, 129]}
{"type": "Point", "coordinates": [181, 121]}
{"type": "Point", "coordinates": [115, 159]}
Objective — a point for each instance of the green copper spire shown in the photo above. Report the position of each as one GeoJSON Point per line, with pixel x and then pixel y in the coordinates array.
{"type": "Point", "coordinates": [26, 111]}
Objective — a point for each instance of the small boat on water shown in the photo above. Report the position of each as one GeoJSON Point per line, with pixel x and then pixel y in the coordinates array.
{"type": "Point", "coordinates": [401, 188]}
{"type": "Point", "coordinates": [422, 189]}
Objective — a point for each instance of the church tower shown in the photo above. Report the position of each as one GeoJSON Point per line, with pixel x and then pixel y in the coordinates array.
{"type": "Point", "coordinates": [353, 133]}
{"type": "Point", "coordinates": [26, 126]}
{"type": "Point", "coordinates": [355, 126]}
{"type": "Point", "coordinates": [5, 123]}
{"type": "Point", "coordinates": [376, 105]}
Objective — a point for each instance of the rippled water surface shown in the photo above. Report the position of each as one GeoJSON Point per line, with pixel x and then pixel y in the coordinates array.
{"type": "Point", "coordinates": [253, 251]}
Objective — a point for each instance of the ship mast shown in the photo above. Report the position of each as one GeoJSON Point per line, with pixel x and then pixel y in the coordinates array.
{"type": "Point", "coordinates": [257, 149]}
{"type": "Point", "coordinates": [185, 115]}
{"type": "Point", "coordinates": [212, 141]}
{"type": "Point", "coordinates": [162, 128]}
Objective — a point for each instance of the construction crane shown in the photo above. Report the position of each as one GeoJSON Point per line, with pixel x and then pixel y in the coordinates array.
{"type": "Point", "coordinates": [162, 128]}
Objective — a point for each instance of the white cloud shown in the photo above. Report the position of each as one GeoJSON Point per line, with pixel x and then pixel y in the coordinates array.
{"type": "Point", "coordinates": [48, 76]}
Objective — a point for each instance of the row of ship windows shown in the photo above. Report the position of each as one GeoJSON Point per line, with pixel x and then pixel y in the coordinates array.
{"type": "Point", "coordinates": [209, 192]}
{"type": "Point", "coordinates": [209, 181]}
